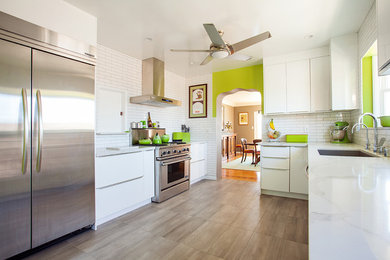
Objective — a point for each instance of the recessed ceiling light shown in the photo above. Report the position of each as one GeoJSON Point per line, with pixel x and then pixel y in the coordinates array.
{"type": "Point", "coordinates": [308, 36]}
{"type": "Point", "coordinates": [191, 63]}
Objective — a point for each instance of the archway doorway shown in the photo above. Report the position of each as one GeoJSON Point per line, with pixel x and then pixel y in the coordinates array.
{"type": "Point", "coordinates": [247, 103]}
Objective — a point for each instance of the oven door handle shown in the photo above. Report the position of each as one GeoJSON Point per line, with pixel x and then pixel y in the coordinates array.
{"type": "Point", "coordinates": [175, 161]}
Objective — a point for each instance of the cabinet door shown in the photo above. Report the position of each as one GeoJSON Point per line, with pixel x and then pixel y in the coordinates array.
{"type": "Point", "coordinates": [298, 86]}
{"type": "Point", "coordinates": [275, 179]}
{"type": "Point", "coordinates": [275, 88]}
{"type": "Point", "coordinates": [118, 168]}
{"type": "Point", "coordinates": [383, 12]}
{"type": "Point", "coordinates": [320, 84]}
{"type": "Point", "coordinates": [344, 61]}
{"type": "Point", "coordinates": [298, 164]}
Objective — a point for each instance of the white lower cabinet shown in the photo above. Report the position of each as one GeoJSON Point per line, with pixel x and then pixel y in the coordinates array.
{"type": "Point", "coordinates": [275, 179]}
{"type": "Point", "coordinates": [198, 165]}
{"type": "Point", "coordinates": [123, 182]}
{"type": "Point", "coordinates": [283, 169]}
{"type": "Point", "coordinates": [298, 165]}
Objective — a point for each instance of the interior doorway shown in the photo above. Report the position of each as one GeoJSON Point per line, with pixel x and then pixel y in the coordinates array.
{"type": "Point", "coordinates": [238, 117]}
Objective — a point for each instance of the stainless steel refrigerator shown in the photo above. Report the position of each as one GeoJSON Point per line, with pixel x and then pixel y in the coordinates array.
{"type": "Point", "coordinates": [46, 139]}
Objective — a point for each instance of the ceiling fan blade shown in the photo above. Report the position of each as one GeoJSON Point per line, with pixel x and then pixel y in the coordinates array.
{"type": "Point", "coordinates": [214, 35]}
{"type": "Point", "coordinates": [174, 50]}
{"type": "Point", "coordinates": [250, 41]}
{"type": "Point", "coordinates": [207, 60]}
{"type": "Point", "coordinates": [238, 56]}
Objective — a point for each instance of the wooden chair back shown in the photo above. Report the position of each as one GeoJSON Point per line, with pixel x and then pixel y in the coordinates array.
{"type": "Point", "coordinates": [244, 144]}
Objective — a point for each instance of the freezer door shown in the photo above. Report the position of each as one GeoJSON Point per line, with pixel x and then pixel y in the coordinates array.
{"type": "Point", "coordinates": [63, 146]}
{"type": "Point", "coordinates": [15, 174]}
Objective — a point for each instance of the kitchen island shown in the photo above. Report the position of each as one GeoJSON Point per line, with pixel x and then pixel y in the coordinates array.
{"type": "Point", "coordinates": [349, 205]}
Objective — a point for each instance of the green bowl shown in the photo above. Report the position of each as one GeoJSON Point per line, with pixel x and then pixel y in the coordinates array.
{"type": "Point", "coordinates": [145, 141]}
{"type": "Point", "coordinates": [165, 138]}
{"type": "Point", "coordinates": [385, 121]}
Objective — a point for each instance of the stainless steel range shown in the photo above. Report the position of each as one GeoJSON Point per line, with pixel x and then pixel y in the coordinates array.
{"type": "Point", "coordinates": [172, 164]}
{"type": "Point", "coordinates": [172, 170]}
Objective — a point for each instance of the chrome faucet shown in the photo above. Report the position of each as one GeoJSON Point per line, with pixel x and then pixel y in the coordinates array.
{"type": "Point", "coordinates": [375, 128]}
{"type": "Point", "coordinates": [357, 125]}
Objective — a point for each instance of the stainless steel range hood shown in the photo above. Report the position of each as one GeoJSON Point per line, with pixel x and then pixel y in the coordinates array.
{"type": "Point", "coordinates": [153, 85]}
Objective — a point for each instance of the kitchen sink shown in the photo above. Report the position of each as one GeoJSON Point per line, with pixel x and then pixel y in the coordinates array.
{"type": "Point", "coordinates": [351, 153]}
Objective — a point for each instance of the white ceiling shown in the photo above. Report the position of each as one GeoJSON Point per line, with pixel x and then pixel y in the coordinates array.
{"type": "Point", "coordinates": [125, 25]}
{"type": "Point", "coordinates": [242, 98]}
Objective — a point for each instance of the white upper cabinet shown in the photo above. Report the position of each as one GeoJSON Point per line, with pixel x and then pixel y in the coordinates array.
{"type": "Point", "coordinates": [297, 82]}
{"type": "Point", "coordinates": [110, 111]}
{"type": "Point", "coordinates": [275, 88]}
{"type": "Point", "coordinates": [320, 84]}
{"type": "Point", "coordinates": [298, 86]}
{"type": "Point", "coordinates": [383, 16]}
{"type": "Point", "coordinates": [344, 64]}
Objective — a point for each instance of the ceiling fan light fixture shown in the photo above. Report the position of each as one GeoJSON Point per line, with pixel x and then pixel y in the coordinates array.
{"type": "Point", "coordinates": [220, 54]}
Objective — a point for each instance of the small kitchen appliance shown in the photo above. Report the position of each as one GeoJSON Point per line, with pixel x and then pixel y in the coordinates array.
{"type": "Point", "coordinates": [339, 132]}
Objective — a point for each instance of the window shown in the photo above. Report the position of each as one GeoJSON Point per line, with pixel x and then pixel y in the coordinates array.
{"type": "Point", "coordinates": [381, 91]}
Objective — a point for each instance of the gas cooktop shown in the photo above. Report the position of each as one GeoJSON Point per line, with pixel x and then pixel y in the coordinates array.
{"type": "Point", "coordinates": [163, 144]}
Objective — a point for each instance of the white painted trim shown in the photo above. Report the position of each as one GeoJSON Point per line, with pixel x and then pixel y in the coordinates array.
{"type": "Point", "coordinates": [285, 194]}
{"type": "Point", "coordinates": [210, 177]}
{"type": "Point", "coordinates": [218, 127]}
{"type": "Point", "coordinates": [197, 180]}
{"type": "Point", "coordinates": [105, 219]}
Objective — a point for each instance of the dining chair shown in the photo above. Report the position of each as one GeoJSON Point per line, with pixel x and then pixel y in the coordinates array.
{"type": "Point", "coordinates": [257, 150]}
{"type": "Point", "coordinates": [245, 150]}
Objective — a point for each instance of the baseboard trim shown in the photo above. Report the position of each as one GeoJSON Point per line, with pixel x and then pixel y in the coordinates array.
{"type": "Point", "coordinates": [285, 194]}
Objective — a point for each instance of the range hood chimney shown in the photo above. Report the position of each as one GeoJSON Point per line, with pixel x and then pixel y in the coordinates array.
{"type": "Point", "coordinates": [153, 85]}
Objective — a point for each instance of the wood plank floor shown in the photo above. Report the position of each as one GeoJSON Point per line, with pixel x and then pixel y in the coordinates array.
{"type": "Point", "coordinates": [224, 219]}
{"type": "Point", "coordinates": [240, 175]}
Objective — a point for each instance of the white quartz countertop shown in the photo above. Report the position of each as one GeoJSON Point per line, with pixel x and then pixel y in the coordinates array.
{"type": "Point", "coordinates": [109, 151]}
{"type": "Point", "coordinates": [349, 205]}
{"type": "Point", "coordinates": [283, 144]}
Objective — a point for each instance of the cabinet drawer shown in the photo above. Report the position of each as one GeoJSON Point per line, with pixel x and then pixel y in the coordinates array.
{"type": "Point", "coordinates": [275, 163]}
{"type": "Point", "coordinates": [277, 180]}
{"type": "Point", "coordinates": [118, 168]}
{"type": "Point", "coordinates": [277, 152]}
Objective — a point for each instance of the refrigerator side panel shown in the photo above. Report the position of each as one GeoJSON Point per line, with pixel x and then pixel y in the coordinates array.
{"type": "Point", "coordinates": [63, 198]}
{"type": "Point", "coordinates": [15, 148]}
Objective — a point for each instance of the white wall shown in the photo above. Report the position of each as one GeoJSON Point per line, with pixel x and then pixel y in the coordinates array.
{"type": "Point", "coordinates": [115, 70]}
{"type": "Point", "coordinates": [204, 129]}
{"type": "Point", "coordinates": [55, 15]}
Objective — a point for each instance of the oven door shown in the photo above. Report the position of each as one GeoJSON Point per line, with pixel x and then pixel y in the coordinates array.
{"type": "Point", "coordinates": [174, 171]}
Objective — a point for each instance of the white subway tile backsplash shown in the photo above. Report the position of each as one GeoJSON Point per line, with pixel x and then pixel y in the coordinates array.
{"type": "Point", "coordinates": [115, 70]}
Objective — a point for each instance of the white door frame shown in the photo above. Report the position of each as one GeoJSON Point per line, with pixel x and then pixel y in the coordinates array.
{"type": "Point", "coordinates": [218, 125]}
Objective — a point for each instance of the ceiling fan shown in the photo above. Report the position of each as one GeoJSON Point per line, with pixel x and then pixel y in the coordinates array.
{"type": "Point", "coordinates": [220, 49]}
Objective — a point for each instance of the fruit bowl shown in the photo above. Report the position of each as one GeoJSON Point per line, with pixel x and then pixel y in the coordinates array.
{"type": "Point", "coordinates": [273, 135]}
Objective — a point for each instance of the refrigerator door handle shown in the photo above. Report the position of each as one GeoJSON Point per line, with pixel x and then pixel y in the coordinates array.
{"type": "Point", "coordinates": [40, 131]}
{"type": "Point", "coordinates": [25, 130]}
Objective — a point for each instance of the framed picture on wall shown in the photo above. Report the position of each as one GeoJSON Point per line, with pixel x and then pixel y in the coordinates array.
{"type": "Point", "coordinates": [198, 101]}
{"type": "Point", "coordinates": [243, 118]}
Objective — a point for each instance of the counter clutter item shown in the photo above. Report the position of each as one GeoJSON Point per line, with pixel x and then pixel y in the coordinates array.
{"type": "Point", "coordinates": [296, 138]}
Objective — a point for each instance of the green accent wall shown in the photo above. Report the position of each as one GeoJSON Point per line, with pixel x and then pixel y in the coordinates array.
{"type": "Point", "coordinates": [245, 78]}
{"type": "Point", "coordinates": [367, 89]}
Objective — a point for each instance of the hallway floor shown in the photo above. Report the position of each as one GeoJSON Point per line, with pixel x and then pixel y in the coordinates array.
{"type": "Point", "coordinates": [224, 219]}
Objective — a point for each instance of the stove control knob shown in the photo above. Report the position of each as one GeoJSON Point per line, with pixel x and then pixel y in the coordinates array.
{"type": "Point", "coordinates": [188, 149]}
{"type": "Point", "coordinates": [168, 152]}
{"type": "Point", "coordinates": [174, 151]}
{"type": "Point", "coordinates": [179, 151]}
{"type": "Point", "coordinates": [164, 153]}
{"type": "Point", "coordinates": [184, 149]}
